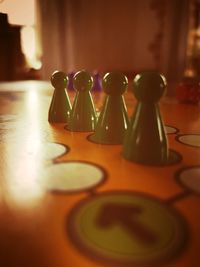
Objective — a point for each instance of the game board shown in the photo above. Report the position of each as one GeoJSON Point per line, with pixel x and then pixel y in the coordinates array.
{"type": "Point", "coordinates": [65, 201]}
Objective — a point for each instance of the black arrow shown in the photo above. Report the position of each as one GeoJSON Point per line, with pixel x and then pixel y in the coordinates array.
{"type": "Point", "coordinates": [125, 214]}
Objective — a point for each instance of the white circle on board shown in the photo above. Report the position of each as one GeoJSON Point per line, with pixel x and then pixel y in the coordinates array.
{"type": "Point", "coordinates": [46, 151]}
{"type": "Point", "coordinates": [71, 176]}
{"type": "Point", "coordinates": [190, 178]}
{"type": "Point", "coordinates": [53, 150]}
{"type": "Point", "coordinates": [170, 129]}
{"type": "Point", "coordinates": [190, 139]}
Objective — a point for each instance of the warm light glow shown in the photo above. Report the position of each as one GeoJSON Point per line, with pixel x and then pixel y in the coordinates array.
{"type": "Point", "coordinates": [198, 31]}
{"type": "Point", "coordinates": [29, 46]}
{"type": "Point", "coordinates": [189, 72]}
{"type": "Point", "coordinates": [20, 12]}
{"type": "Point", "coordinates": [24, 164]}
{"type": "Point", "coordinates": [23, 12]}
{"type": "Point", "coordinates": [24, 187]}
{"type": "Point", "coordinates": [137, 77]}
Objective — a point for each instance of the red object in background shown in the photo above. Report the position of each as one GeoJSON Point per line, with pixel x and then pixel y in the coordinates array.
{"type": "Point", "coordinates": [188, 91]}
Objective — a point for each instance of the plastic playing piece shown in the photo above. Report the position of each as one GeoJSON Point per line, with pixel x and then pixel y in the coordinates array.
{"type": "Point", "coordinates": [83, 115]}
{"type": "Point", "coordinates": [60, 107]}
{"type": "Point", "coordinates": [70, 83]}
{"type": "Point", "coordinates": [97, 82]}
{"type": "Point", "coordinates": [113, 120]}
{"type": "Point", "coordinates": [146, 141]}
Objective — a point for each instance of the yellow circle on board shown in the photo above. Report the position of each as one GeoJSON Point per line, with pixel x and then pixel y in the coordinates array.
{"type": "Point", "coordinates": [126, 228]}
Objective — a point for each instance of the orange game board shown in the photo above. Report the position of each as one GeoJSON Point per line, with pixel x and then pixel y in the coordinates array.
{"type": "Point", "coordinates": [65, 201]}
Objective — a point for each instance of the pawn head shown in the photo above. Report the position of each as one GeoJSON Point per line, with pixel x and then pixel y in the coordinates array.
{"type": "Point", "coordinates": [149, 86]}
{"type": "Point", "coordinates": [82, 81]}
{"type": "Point", "coordinates": [114, 83]}
{"type": "Point", "coordinates": [59, 80]}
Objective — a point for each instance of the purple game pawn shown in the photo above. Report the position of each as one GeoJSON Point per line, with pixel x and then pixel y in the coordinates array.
{"type": "Point", "coordinates": [97, 81]}
{"type": "Point", "coordinates": [70, 83]}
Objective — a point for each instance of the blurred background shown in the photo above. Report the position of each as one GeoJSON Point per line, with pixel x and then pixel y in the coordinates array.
{"type": "Point", "coordinates": [38, 37]}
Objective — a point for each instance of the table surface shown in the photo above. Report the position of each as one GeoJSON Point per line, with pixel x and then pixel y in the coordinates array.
{"type": "Point", "coordinates": [65, 201]}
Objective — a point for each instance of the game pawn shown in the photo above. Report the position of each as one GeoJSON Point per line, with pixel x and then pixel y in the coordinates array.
{"type": "Point", "coordinates": [83, 114]}
{"type": "Point", "coordinates": [146, 140]}
{"type": "Point", "coordinates": [60, 106]}
{"type": "Point", "coordinates": [113, 120]}
{"type": "Point", "coordinates": [70, 81]}
{"type": "Point", "coordinates": [97, 85]}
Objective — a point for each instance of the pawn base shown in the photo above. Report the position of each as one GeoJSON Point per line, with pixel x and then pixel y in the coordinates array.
{"type": "Point", "coordinates": [173, 158]}
{"type": "Point", "coordinates": [104, 141]}
{"type": "Point", "coordinates": [78, 129]}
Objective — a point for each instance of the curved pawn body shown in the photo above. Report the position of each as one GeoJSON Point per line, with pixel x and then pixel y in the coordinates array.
{"type": "Point", "coordinates": [60, 107]}
{"type": "Point", "coordinates": [146, 140]}
{"type": "Point", "coordinates": [83, 114]}
{"type": "Point", "coordinates": [113, 120]}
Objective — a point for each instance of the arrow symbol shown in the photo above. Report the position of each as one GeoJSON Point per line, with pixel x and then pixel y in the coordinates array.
{"type": "Point", "coordinates": [126, 215]}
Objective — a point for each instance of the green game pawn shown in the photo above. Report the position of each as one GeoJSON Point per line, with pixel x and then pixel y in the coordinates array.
{"type": "Point", "coordinates": [113, 120]}
{"type": "Point", "coordinates": [146, 140]}
{"type": "Point", "coordinates": [83, 116]}
{"type": "Point", "coordinates": [60, 107]}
